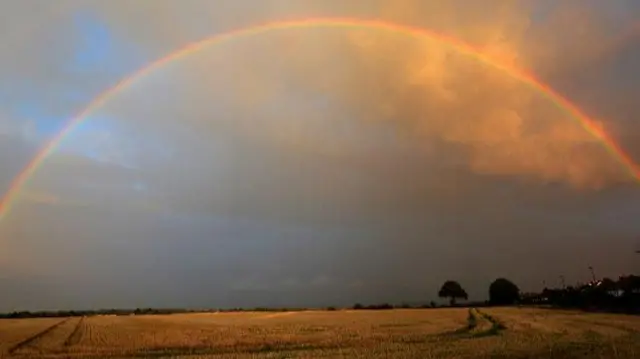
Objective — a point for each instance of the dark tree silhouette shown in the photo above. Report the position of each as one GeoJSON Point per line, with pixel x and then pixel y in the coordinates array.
{"type": "Point", "coordinates": [453, 290]}
{"type": "Point", "coordinates": [608, 285]}
{"type": "Point", "coordinates": [503, 292]}
{"type": "Point", "coordinates": [630, 284]}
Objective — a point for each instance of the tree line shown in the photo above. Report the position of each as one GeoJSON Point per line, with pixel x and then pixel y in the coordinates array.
{"type": "Point", "coordinates": [622, 295]}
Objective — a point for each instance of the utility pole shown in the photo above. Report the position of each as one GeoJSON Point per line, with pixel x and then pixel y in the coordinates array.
{"type": "Point", "coordinates": [593, 274]}
{"type": "Point", "coordinates": [562, 282]}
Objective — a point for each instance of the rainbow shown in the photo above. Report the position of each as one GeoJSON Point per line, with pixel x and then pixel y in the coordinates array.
{"type": "Point", "coordinates": [589, 125]}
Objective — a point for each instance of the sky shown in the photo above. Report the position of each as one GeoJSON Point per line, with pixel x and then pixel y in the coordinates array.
{"type": "Point", "coordinates": [317, 166]}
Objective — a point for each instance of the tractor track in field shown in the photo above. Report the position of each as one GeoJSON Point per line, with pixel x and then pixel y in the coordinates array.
{"type": "Point", "coordinates": [54, 340]}
{"type": "Point", "coordinates": [496, 325]}
{"type": "Point", "coordinates": [76, 334]}
{"type": "Point", "coordinates": [35, 337]}
{"type": "Point", "coordinates": [479, 325]}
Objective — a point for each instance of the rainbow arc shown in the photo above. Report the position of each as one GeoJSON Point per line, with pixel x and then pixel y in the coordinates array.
{"type": "Point", "coordinates": [591, 126]}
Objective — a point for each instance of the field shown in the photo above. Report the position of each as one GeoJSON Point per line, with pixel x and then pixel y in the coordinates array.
{"type": "Point", "coordinates": [401, 333]}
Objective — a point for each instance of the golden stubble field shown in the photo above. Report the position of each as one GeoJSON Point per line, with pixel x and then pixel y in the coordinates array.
{"type": "Point", "coordinates": [401, 333]}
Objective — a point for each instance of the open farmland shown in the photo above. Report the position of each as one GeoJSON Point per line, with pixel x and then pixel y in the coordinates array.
{"type": "Point", "coordinates": [405, 333]}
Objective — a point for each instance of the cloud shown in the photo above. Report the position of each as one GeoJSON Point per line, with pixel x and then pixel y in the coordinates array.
{"type": "Point", "coordinates": [448, 100]}
{"type": "Point", "coordinates": [504, 127]}
{"type": "Point", "coordinates": [58, 65]}
{"type": "Point", "coordinates": [41, 197]}
{"type": "Point", "coordinates": [421, 87]}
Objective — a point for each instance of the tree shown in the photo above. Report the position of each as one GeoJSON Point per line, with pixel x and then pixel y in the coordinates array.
{"type": "Point", "coordinates": [503, 292]}
{"type": "Point", "coordinates": [629, 284]}
{"type": "Point", "coordinates": [453, 290]}
{"type": "Point", "coordinates": [608, 285]}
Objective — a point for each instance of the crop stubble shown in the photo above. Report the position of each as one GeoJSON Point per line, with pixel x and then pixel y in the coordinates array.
{"type": "Point", "coordinates": [466, 333]}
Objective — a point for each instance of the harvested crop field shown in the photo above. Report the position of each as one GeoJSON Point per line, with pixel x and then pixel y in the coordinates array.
{"type": "Point", "coordinates": [402, 333]}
